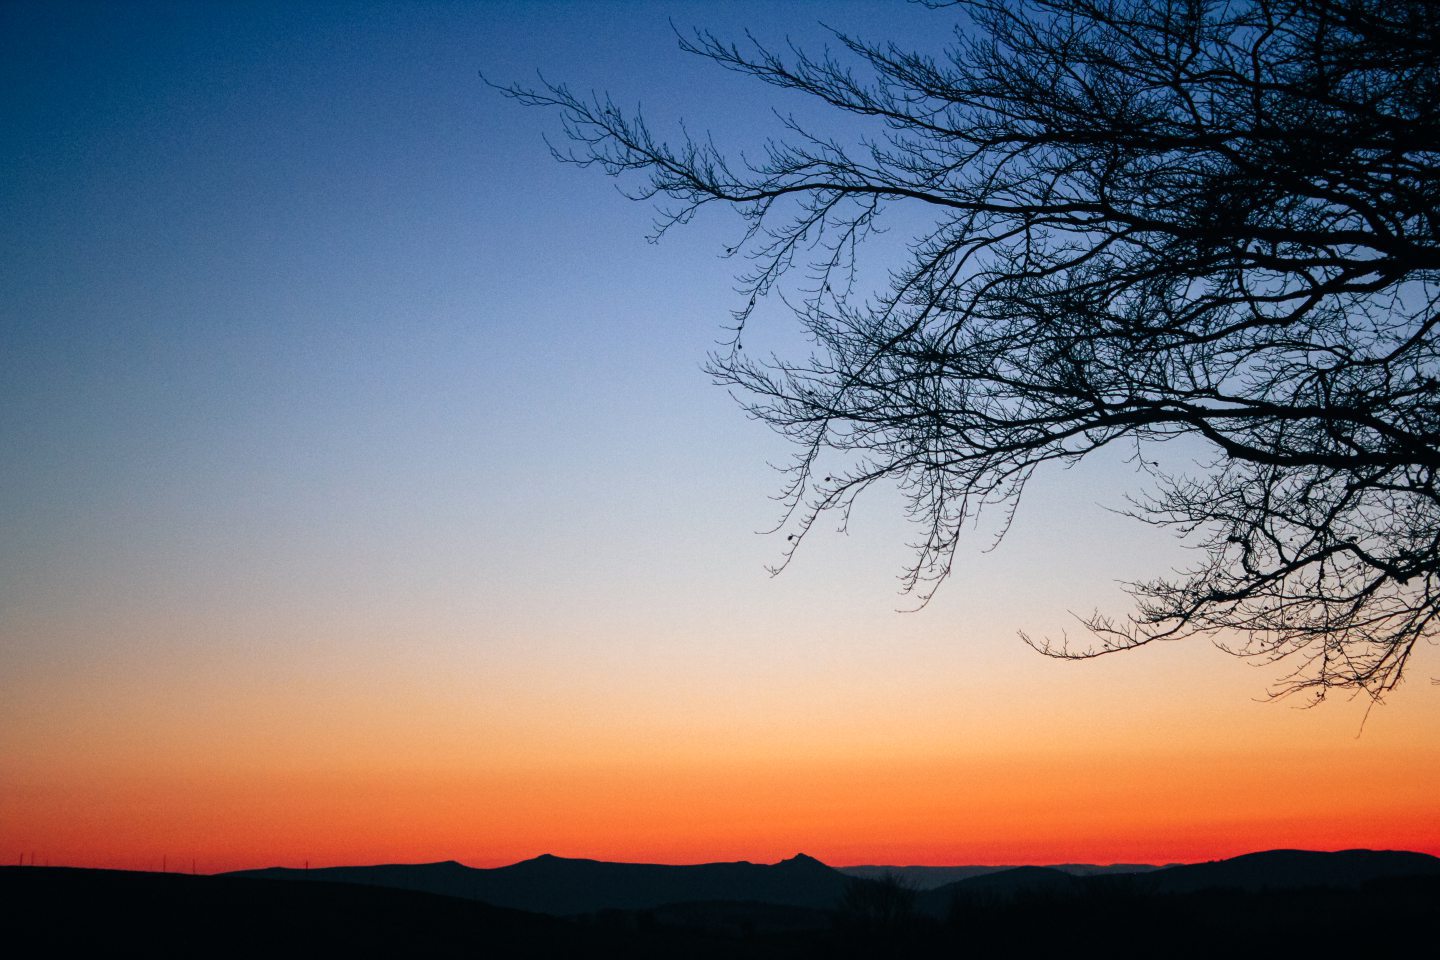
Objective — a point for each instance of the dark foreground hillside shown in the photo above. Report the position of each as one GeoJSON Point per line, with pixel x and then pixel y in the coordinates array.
{"type": "Point", "coordinates": [1383, 918]}
{"type": "Point", "coordinates": [1327, 913]}
{"type": "Point", "coordinates": [106, 912]}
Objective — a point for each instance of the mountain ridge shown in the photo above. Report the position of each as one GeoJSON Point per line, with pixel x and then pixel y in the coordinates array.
{"type": "Point", "coordinates": [565, 886]}
{"type": "Point", "coordinates": [104, 910]}
{"type": "Point", "coordinates": [568, 886]}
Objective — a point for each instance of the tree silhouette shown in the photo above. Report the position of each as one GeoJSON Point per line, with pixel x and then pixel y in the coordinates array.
{"type": "Point", "coordinates": [878, 917]}
{"type": "Point", "coordinates": [1146, 219]}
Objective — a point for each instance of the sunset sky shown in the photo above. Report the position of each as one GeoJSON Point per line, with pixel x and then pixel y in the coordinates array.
{"type": "Point", "coordinates": [362, 499]}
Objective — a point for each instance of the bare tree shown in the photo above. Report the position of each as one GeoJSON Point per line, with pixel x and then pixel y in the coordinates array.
{"type": "Point", "coordinates": [1147, 219]}
{"type": "Point", "coordinates": [877, 913]}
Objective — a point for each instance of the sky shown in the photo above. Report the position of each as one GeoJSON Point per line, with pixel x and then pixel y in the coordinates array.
{"type": "Point", "coordinates": [363, 499]}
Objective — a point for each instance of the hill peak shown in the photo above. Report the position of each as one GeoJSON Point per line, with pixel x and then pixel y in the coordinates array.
{"type": "Point", "coordinates": [551, 859]}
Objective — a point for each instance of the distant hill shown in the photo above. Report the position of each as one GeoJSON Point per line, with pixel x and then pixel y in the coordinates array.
{"type": "Point", "coordinates": [563, 886]}
{"type": "Point", "coordinates": [1267, 871]}
{"type": "Point", "coordinates": [1276, 903]}
{"type": "Point", "coordinates": [1005, 886]}
{"type": "Point", "coordinates": [920, 878]}
{"type": "Point", "coordinates": [928, 878]}
{"type": "Point", "coordinates": [1294, 870]}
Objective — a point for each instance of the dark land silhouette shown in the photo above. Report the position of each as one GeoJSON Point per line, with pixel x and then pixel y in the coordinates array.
{"type": "Point", "coordinates": [562, 886]}
{"type": "Point", "coordinates": [928, 878]}
{"type": "Point", "coordinates": [1270, 901]}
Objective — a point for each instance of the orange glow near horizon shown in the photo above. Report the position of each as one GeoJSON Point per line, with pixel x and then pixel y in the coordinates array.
{"type": "Point", "coordinates": [1035, 809]}
{"type": "Point", "coordinates": [1173, 762]}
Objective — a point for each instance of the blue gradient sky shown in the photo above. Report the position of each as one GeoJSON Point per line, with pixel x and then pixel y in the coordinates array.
{"type": "Point", "coordinates": [346, 439]}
